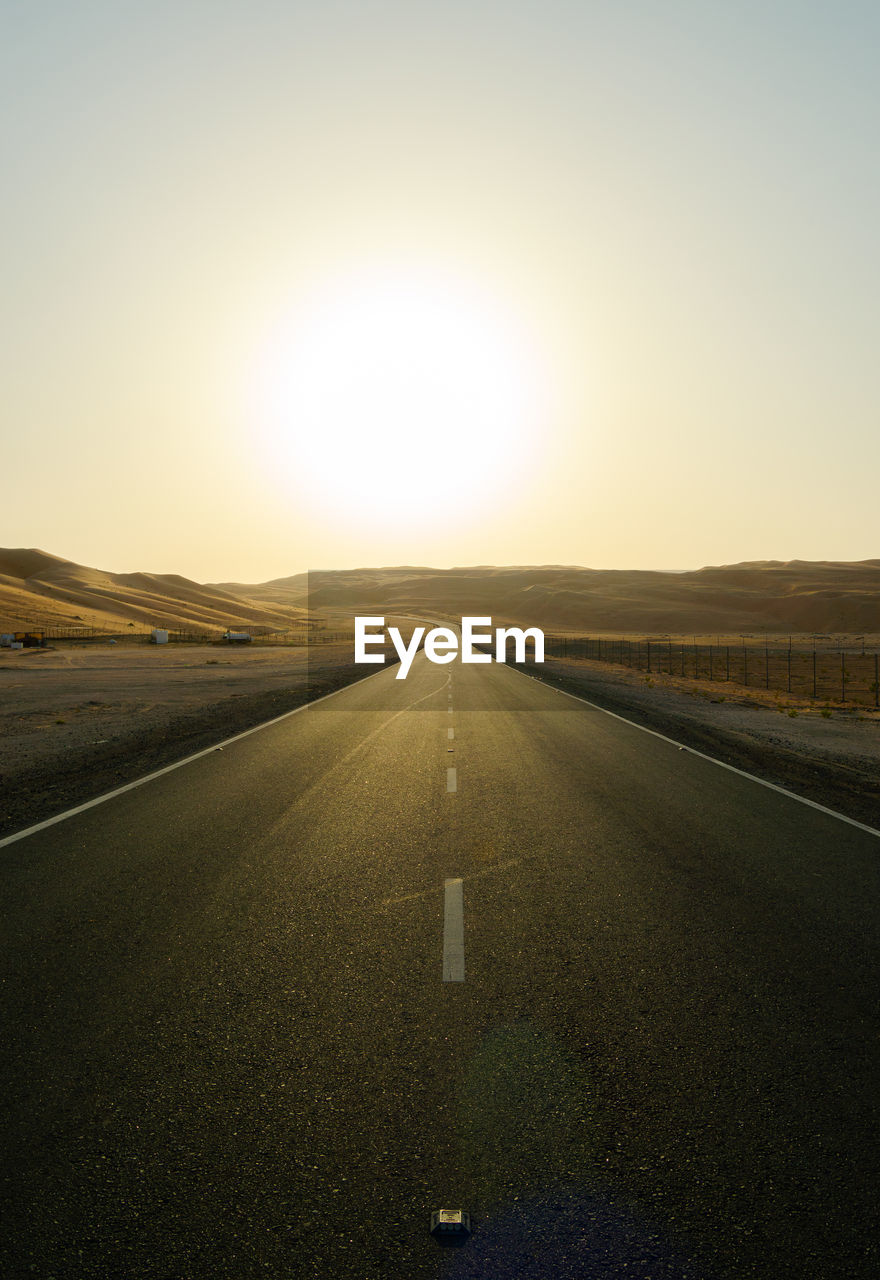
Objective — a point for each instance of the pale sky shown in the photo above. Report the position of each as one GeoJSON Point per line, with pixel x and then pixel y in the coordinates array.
{"type": "Point", "coordinates": [292, 286]}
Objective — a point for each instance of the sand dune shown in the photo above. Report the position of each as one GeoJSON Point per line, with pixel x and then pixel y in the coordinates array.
{"type": "Point", "coordinates": [771, 595]}
{"type": "Point", "coordinates": [37, 588]}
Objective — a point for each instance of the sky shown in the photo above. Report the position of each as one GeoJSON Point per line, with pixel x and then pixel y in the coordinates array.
{"type": "Point", "coordinates": [292, 286]}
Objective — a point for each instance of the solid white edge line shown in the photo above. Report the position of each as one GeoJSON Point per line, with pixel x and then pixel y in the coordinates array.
{"type": "Point", "coordinates": [178, 764]}
{"type": "Point", "coordinates": [453, 931]}
{"type": "Point", "coordinates": [451, 780]}
{"type": "Point", "coordinates": [762, 782]}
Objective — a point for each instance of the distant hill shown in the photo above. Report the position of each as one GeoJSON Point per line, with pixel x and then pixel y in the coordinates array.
{"type": "Point", "coordinates": [37, 588]}
{"type": "Point", "coordinates": [40, 589]}
{"type": "Point", "coordinates": [772, 595]}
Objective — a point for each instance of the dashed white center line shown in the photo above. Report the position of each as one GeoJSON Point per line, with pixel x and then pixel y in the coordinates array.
{"type": "Point", "coordinates": [450, 733]}
{"type": "Point", "coordinates": [451, 780]}
{"type": "Point", "coordinates": [453, 931]}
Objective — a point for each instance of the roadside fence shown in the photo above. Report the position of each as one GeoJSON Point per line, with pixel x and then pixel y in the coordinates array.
{"type": "Point", "coordinates": [824, 672]}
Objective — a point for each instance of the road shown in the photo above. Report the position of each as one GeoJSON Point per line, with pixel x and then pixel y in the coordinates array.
{"type": "Point", "coordinates": [230, 1050]}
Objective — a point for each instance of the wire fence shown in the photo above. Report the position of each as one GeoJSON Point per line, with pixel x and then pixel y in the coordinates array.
{"type": "Point", "coordinates": [841, 670]}
{"type": "Point", "coordinates": [831, 673]}
{"type": "Point", "coordinates": [87, 633]}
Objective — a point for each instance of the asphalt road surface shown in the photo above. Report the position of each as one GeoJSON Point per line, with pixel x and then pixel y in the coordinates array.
{"type": "Point", "coordinates": [253, 1026]}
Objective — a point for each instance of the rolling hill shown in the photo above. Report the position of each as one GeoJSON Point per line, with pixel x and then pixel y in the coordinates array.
{"type": "Point", "coordinates": [39, 589]}
{"type": "Point", "coordinates": [796, 596]}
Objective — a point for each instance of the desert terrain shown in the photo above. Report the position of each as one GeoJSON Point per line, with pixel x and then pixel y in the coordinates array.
{"type": "Point", "coordinates": [765, 597]}
{"type": "Point", "coordinates": [79, 719]}
{"type": "Point", "coordinates": [826, 752]}
{"type": "Point", "coordinates": [42, 590]}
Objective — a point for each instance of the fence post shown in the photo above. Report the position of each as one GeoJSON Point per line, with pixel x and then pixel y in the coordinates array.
{"type": "Point", "coordinates": [814, 670]}
{"type": "Point", "coordinates": [745, 666]}
{"type": "Point", "coordinates": [766, 666]}
{"type": "Point", "coordinates": [727, 660]}
{"type": "Point", "coordinates": [842, 678]}
{"type": "Point", "coordinates": [876, 682]}
{"type": "Point", "coordinates": [649, 656]}
{"type": "Point", "coordinates": [711, 677]}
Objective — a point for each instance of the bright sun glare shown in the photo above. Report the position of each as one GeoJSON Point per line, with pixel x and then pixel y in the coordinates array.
{"type": "Point", "coordinates": [392, 397]}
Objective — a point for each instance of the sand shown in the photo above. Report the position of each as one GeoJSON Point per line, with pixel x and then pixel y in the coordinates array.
{"type": "Point", "coordinates": [55, 701]}
{"type": "Point", "coordinates": [833, 759]}
{"type": "Point", "coordinates": [42, 590]}
{"type": "Point", "coordinates": [76, 722]}
{"type": "Point", "coordinates": [760, 597]}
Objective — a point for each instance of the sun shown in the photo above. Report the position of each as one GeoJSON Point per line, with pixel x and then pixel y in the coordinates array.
{"type": "Point", "coordinates": [392, 396]}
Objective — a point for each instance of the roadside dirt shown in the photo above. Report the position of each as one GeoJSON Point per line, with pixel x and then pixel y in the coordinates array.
{"type": "Point", "coordinates": [78, 722]}
{"type": "Point", "coordinates": [826, 752]}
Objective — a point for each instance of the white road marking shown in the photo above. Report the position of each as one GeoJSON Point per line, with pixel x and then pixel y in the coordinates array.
{"type": "Point", "coordinates": [474, 875]}
{"type": "Point", "coordinates": [449, 711]}
{"type": "Point", "coordinates": [450, 733]}
{"type": "Point", "coordinates": [451, 780]}
{"type": "Point", "coordinates": [453, 931]}
{"type": "Point", "coordinates": [178, 764]}
{"type": "Point", "coordinates": [722, 764]}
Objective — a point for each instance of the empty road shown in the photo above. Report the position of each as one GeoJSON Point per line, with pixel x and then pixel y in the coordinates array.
{"type": "Point", "coordinates": [455, 941]}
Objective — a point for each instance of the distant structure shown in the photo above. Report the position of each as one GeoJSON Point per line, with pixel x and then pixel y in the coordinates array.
{"type": "Point", "coordinates": [23, 640]}
{"type": "Point", "coordinates": [237, 637]}
{"type": "Point", "coordinates": [158, 636]}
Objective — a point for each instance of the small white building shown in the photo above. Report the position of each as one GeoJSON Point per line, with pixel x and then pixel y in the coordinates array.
{"type": "Point", "coordinates": [158, 636]}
